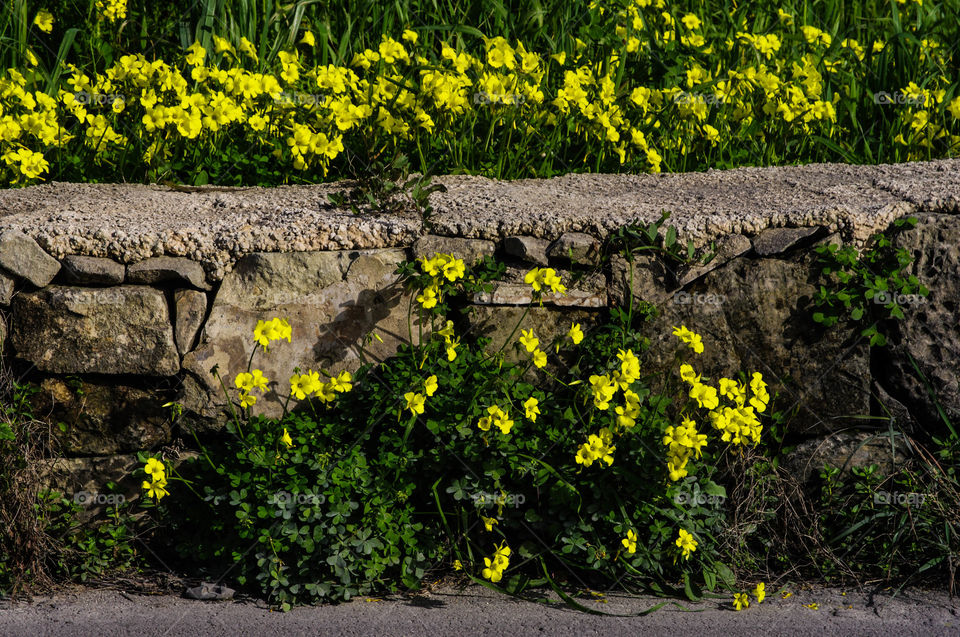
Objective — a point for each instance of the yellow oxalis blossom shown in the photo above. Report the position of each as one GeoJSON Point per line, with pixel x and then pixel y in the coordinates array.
{"type": "Point", "coordinates": [415, 402]}
{"type": "Point", "coordinates": [531, 409]}
{"type": "Point", "coordinates": [286, 439]}
{"type": "Point", "coordinates": [740, 601]}
{"type": "Point", "coordinates": [575, 333]}
{"type": "Point", "coordinates": [43, 20]}
{"type": "Point", "coordinates": [686, 543]}
{"type": "Point", "coordinates": [630, 542]}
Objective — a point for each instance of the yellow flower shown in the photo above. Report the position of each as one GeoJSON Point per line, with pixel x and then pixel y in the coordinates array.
{"type": "Point", "coordinates": [342, 383]}
{"type": "Point", "coordinates": [690, 338]}
{"type": "Point", "coordinates": [531, 409]}
{"type": "Point", "coordinates": [155, 468]}
{"type": "Point", "coordinates": [630, 542]}
{"type": "Point", "coordinates": [539, 358]}
{"type": "Point", "coordinates": [575, 333]}
{"type": "Point", "coordinates": [286, 439]}
{"type": "Point", "coordinates": [430, 385]}
{"type": "Point", "coordinates": [428, 298]}
{"type": "Point", "coordinates": [299, 383]}
{"type": "Point", "coordinates": [410, 36]}
{"type": "Point", "coordinates": [457, 565]}
{"type": "Point", "coordinates": [247, 400]}
{"type": "Point", "coordinates": [157, 488]}
{"type": "Point", "coordinates": [528, 340]}
{"type": "Point", "coordinates": [488, 523]}
{"type": "Point", "coordinates": [452, 350]}
{"type": "Point", "coordinates": [741, 601]}
{"type": "Point", "coordinates": [759, 592]}
{"type": "Point", "coordinates": [686, 543]}
{"type": "Point", "coordinates": [308, 39]}
{"type": "Point", "coordinates": [44, 20]}
{"type": "Point", "coordinates": [415, 402]}
{"type": "Point", "coordinates": [691, 21]}
{"type": "Point", "coordinates": [705, 395]}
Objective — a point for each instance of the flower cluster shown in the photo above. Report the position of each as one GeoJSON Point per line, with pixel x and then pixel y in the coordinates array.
{"type": "Point", "coordinates": [604, 388]}
{"type": "Point", "coordinates": [303, 385]}
{"type": "Point", "coordinates": [273, 330]}
{"type": "Point", "coordinates": [498, 418]}
{"type": "Point", "coordinates": [597, 447]}
{"type": "Point", "coordinates": [449, 341]}
{"type": "Point", "coordinates": [495, 566]}
{"type": "Point", "coordinates": [246, 382]}
{"type": "Point", "coordinates": [440, 266]}
{"type": "Point", "coordinates": [741, 600]}
{"type": "Point", "coordinates": [156, 486]}
{"type": "Point", "coordinates": [532, 344]}
{"type": "Point", "coordinates": [416, 401]}
{"type": "Point", "coordinates": [538, 278]}
{"type": "Point", "coordinates": [737, 423]}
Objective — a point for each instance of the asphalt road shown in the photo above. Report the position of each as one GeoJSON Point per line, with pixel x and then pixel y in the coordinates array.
{"type": "Point", "coordinates": [478, 611]}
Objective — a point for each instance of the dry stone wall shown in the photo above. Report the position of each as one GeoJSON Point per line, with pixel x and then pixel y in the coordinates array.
{"type": "Point", "coordinates": [119, 298]}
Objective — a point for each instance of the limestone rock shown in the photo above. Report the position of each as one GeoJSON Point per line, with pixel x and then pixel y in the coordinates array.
{"type": "Point", "coordinates": [119, 330]}
{"type": "Point", "coordinates": [23, 257]}
{"type": "Point", "coordinates": [102, 418]}
{"type": "Point", "coordinates": [81, 270]}
{"type": "Point", "coordinates": [727, 247]}
{"type": "Point", "coordinates": [777, 240]}
{"type": "Point", "coordinates": [332, 300]}
{"type": "Point", "coordinates": [6, 289]}
{"type": "Point", "coordinates": [163, 269]}
{"type": "Point", "coordinates": [529, 249]}
{"type": "Point", "coordinates": [575, 247]}
{"type": "Point", "coordinates": [652, 280]}
{"type": "Point", "coordinates": [928, 332]}
{"type": "Point", "coordinates": [190, 307]}
{"type": "Point", "coordinates": [469, 250]}
{"type": "Point", "coordinates": [844, 450]}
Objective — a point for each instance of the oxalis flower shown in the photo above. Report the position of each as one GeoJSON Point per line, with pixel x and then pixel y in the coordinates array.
{"type": "Point", "coordinates": [686, 543]}
{"type": "Point", "coordinates": [415, 402]}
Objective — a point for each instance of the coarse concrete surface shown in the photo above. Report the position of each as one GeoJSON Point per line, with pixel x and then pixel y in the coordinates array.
{"type": "Point", "coordinates": [217, 225]}
{"type": "Point", "coordinates": [476, 610]}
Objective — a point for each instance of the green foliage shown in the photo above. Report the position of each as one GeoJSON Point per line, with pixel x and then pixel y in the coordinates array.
{"type": "Point", "coordinates": [90, 548]}
{"type": "Point", "coordinates": [901, 527]}
{"type": "Point", "coordinates": [869, 287]}
{"type": "Point", "coordinates": [369, 495]}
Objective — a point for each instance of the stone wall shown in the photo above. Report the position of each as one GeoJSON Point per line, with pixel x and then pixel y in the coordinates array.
{"type": "Point", "coordinates": [119, 298]}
